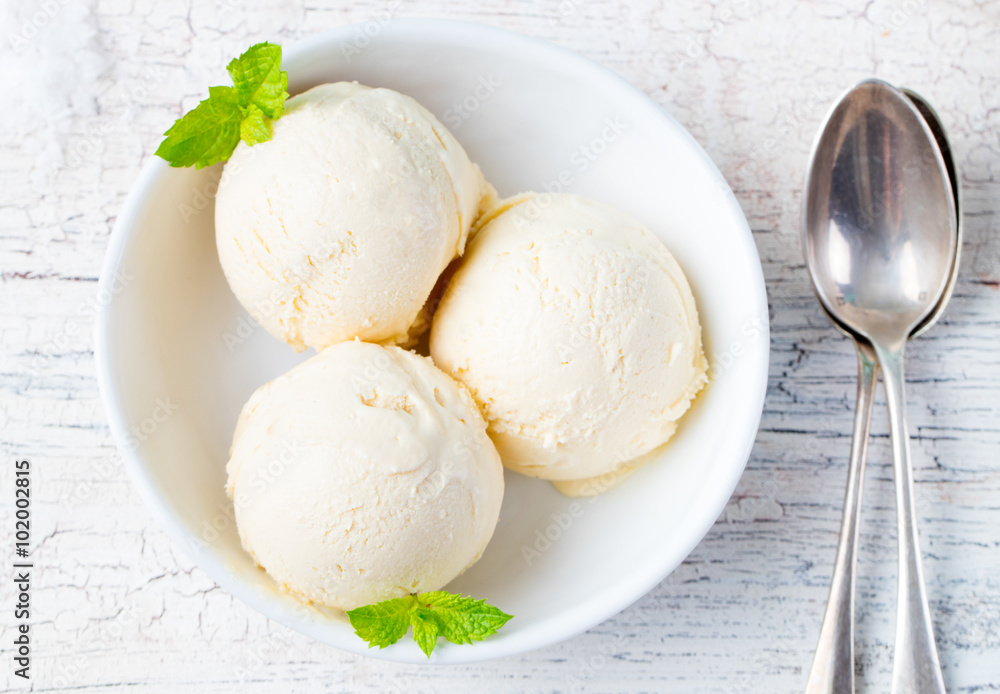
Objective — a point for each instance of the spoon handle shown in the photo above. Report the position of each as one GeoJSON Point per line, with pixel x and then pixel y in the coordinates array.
{"type": "Point", "coordinates": [916, 669]}
{"type": "Point", "coordinates": [832, 669]}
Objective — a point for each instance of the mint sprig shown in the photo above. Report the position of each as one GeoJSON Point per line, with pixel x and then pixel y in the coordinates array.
{"type": "Point", "coordinates": [459, 619]}
{"type": "Point", "coordinates": [259, 79]}
{"type": "Point", "coordinates": [210, 132]}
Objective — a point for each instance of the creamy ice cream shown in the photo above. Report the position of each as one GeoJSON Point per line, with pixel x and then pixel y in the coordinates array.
{"type": "Point", "coordinates": [339, 226]}
{"type": "Point", "coordinates": [364, 473]}
{"type": "Point", "coordinates": [577, 334]}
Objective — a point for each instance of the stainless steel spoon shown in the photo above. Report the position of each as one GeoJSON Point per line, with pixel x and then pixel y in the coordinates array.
{"type": "Point", "coordinates": [832, 668]}
{"type": "Point", "coordinates": [941, 137]}
{"type": "Point", "coordinates": [881, 244]}
{"type": "Point", "coordinates": [833, 663]}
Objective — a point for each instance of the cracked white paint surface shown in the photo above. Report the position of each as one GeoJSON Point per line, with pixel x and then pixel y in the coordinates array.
{"type": "Point", "coordinates": [117, 607]}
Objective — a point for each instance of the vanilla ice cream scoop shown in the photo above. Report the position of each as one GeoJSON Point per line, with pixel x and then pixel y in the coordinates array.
{"type": "Point", "coordinates": [340, 224]}
{"type": "Point", "coordinates": [576, 332]}
{"type": "Point", "coordinates": [363, 474]}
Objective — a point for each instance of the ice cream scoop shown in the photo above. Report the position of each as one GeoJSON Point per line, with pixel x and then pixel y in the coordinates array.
{"type": "Point", "coordinates": [363, 474]}
{"type": "Point", "coordinates": [576, 332]}
{"type": "Point", "coordinates": [339, 226]}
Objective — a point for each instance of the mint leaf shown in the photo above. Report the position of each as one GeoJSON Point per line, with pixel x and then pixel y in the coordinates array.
{"type": "Point", "coordinates": [425, 629]}
{"type": "Point", "coordinates": [259, 79]}
{"type": "Point", "coordinates": [383, 623]}
{"type": "Point", "coordinates": [464, 620]}
{"type": "Point", "coordinates": [210, 132]}
{"type": "Point", "coordinates": [255, 126]}
{"type": "Point", "coordinates": [206, 135]}
{"type": "Point", "coordinates": [460, 620]}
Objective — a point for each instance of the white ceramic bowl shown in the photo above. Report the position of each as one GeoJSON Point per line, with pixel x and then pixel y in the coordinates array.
{"type": "Point", "coordinates": [177, 356]}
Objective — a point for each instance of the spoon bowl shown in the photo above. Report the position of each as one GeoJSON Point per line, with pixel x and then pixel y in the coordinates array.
{"type": "Point", "coordinates": [941, 137]}
{"type": "Point", "coordinates": [879, 240]}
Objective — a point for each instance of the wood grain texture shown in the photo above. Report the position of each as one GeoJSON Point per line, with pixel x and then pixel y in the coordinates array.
{"type": "Point", "coordinates": [118, 608]}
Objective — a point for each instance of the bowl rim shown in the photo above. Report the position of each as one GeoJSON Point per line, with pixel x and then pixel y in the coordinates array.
{"type": "Point", "coordinates": [600, 607]}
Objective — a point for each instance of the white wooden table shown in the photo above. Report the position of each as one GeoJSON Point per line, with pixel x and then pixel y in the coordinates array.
{"type": "Point", "coordinates": [115, 606]}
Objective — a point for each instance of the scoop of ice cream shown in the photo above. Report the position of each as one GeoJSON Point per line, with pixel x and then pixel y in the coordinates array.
{"type": "Point", "coordinates": [339, 225]}
{"type": "Point", "coordinates": [363, 474]}
{"type": "Point", "coordinates": [576, 332]}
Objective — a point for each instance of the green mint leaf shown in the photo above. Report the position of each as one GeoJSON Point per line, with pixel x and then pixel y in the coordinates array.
{"type": "Point", "coordinates": [210, 132]}
{"type": "Point", "coordinates": [438, 613]}
{"type": "Point", "coordinates": [464, 620]}
{"type": "Point", "coordinates": [255, 126]}
{"type": "Point", "coordinates": [259, 79]}
{"type": "Point", "coordinates": [205, 135]}
{"type": "Point", "coordinates": [383, 623]}
{"type": "Point", "coordinates": [425, 629]}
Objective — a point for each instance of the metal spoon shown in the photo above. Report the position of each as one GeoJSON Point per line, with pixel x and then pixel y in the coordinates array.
{"type": "Point", "coordinates": [941, 138]}
{"type": "Point", "coordinates": [880, 236]}
{"type": "Point", "coordinates": [833, 663]}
